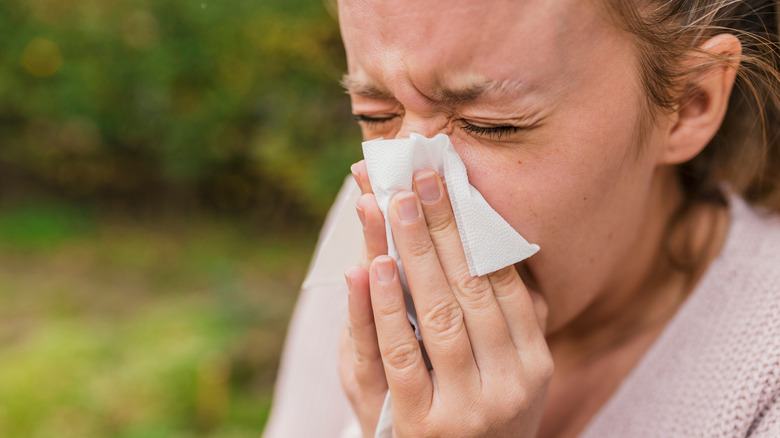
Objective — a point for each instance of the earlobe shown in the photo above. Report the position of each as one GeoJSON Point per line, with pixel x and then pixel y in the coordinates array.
{"type": "Point", "coordinates": [705, 99]}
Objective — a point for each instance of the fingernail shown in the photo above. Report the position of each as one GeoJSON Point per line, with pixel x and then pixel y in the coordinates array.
{"type": "Point", "coordinates": [361, 215]}
{"type": "Point", "coordinates": [428, 188]}
{"type": "Point", "coordinates": [349, 281]}
{"type": "Point", "coordinates": [354, 173]}
{"type": "Point", "coordinates": [385, 271]}
{"type": "Point", "coordinates": [407, 207]}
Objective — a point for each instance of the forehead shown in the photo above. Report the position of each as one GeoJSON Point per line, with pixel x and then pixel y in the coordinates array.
{"type": "Point", "coordinates": [527, 41]}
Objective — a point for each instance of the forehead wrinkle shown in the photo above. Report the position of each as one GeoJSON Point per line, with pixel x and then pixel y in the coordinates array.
{"type": "Point", "coordinates": [472, 90]}
{"type": "Point", "coordinates": [467, 91]}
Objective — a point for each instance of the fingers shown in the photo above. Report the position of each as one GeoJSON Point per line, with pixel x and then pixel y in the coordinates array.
{"type": "Point", "coordinates": [370, 215]}
{"type": "Point", "coordinates": [373, 227]}
{"type": "Point", "coordinates": [368, 369]}
{"type": "Point", "coordinates": [483, 317]}
{"type": "Point", "coordinates": [525, 316]}
{"type": "Point", "coordinates": [440, 316]}
{"type": "Point", "coordinates": [541, 310]}
{"type": "Point", "coordinates": [360, 174]}
{"type": "Point", "coordinates": [407, 376]}
{"type": "Point", "coordinates": [474, 328]}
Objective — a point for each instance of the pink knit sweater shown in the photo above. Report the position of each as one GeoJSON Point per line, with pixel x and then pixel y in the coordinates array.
{"type": "Point", "coordinates": [713, 372]}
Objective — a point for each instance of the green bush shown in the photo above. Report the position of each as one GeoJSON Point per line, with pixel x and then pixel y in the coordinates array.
{"type": "Point", "coordinates": [230, 105]}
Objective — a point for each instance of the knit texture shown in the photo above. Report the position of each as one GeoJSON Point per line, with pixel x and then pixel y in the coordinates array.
{"type": "Point", "coordinates": [713, 372]}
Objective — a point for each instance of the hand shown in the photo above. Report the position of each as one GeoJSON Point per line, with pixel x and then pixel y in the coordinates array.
{"type": "Point", "coordinates": [360, 363]}
{"type": "Point", "coordinates": [484, 335]}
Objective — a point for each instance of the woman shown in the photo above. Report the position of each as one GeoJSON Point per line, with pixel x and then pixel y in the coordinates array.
{"type": "Point", "coordinates": [608, 133]}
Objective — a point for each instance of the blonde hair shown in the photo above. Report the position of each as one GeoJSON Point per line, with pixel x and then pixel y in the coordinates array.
{"type": "Point", "coordinates": [746, 150]}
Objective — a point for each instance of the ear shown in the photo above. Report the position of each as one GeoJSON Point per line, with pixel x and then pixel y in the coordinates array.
{"type": "Point", "coordinates": [701, 112]}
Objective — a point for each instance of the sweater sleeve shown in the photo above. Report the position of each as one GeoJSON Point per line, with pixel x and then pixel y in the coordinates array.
{"type": "Point", "coordinates": [308, 399]}
{"type": "Point", "coordinates": [768, 426]}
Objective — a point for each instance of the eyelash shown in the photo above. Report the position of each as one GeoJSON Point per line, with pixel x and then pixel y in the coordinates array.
{"type": "Point", "coordinates": [372, 121]}
{"type": "Point", "coordinates": [493, 131]}
{"type": "Point", "coordinates": [479, 131]}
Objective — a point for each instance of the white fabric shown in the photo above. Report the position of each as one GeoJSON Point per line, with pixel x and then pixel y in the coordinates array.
{"type": "Point", "coordinates": [308, 399]}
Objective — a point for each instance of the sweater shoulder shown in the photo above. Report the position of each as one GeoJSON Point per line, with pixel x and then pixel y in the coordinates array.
{"type": "Point", "coordinates": [750, 259]}
{"type": "Point", "coordinates": [715, 369]}
{"type": "Point", "coordinates": [740, 293]}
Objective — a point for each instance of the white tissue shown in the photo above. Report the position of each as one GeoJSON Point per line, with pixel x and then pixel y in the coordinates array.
{"type": "Point", "coordinates": [489, 242]}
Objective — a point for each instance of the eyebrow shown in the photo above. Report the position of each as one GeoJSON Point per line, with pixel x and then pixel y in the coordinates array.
{"type": "Point", "coordinates": [466, 93]}
{"type": "Point", "coordinates": [370, 90]}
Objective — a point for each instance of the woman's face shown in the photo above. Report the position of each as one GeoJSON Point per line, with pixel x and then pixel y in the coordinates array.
{"type": "Point", "coordinates": [541, 99]}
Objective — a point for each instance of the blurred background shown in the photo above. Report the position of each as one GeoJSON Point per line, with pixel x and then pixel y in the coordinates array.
{"type": "Point", "coordinates": [165, 166]}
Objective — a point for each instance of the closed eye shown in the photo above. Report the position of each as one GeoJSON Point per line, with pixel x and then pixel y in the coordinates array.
{"type": "Point", "coordinates": [372, 120]}
{"type": "Point", "coordinates": [492, 131]}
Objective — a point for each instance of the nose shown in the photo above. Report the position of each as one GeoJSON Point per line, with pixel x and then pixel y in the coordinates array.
{"type": "Point", "coordinates": [425, 125]}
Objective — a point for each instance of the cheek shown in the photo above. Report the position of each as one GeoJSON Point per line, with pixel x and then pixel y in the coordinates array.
{"type": "Point", "coordinates": [568, 198]}
{"type": "Point", "coordinates": [536, 192]}
{"type": "Point", "coordinates": [573, 203]}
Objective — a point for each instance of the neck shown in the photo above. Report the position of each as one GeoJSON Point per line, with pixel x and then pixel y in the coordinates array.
{"type": "Point", "coordinates": [647, 289]}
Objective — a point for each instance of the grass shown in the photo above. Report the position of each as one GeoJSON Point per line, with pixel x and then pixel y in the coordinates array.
{"type": "Point", "coordinates": [118, 328]}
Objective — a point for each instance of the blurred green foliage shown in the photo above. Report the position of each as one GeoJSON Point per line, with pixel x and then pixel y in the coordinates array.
{"type": "Point", "coordinates": [225, 105]}
{"type": "Point", "coordinates": [161, 325]}
{"type": "Point", "coordinates": [116, 328]}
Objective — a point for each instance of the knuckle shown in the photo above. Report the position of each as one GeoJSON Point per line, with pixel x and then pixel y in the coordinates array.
{"type": "Point", "coordinates": [467, 283]}
{"type": "Point", "coordinates": [513, 395]}
{"type": "Point", "coordinates": [445, 320]}
{"type": "Point", "coordinates": [390, 312]}
{"type": "Point", "coordinates": [364, 361]}
{"type": "Point", "coordinates": [362, 379]}
{"type": "Point", "coordinates": [503, 280]}
{"type": "Point", "coordinates": [419, 248]}
{"type": "Point", "coordinates": [481, 425]}
{"type": "Point", "coordinates": [360, 323]}
{"type": "Point", "coordinates": [474, 290]}
{"type": "Point", "coordinates": [545, 367]}
{"type": "Point", "coordinates": [519, 401]}
{"type": "Point", "coordinates": [441, 223]}
{"type": "Point", "coordinates": [402, 357]}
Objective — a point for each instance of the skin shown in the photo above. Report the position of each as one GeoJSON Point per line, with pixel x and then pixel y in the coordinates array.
{"type": "Point", "coordinates": [514, 351]}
